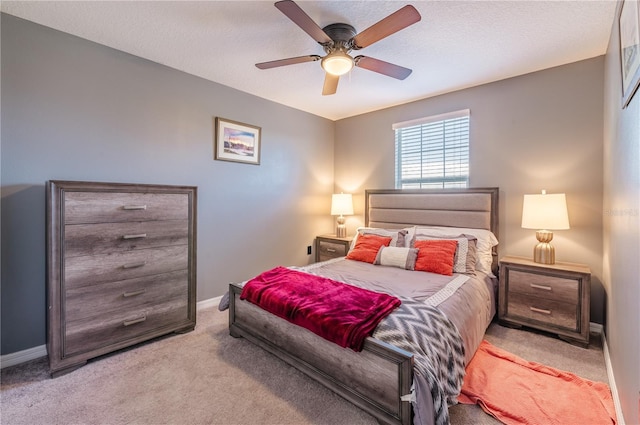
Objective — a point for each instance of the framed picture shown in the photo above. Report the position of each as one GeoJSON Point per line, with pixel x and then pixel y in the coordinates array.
{"type": "Point", "coordinates": [235, 141]}
{"type": "Point", "coordinates": [629, 25]}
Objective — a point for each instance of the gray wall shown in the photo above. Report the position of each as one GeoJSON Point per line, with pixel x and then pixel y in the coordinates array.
{"type": "Point", "coordinates": [538, 131]}
{"type": "Point", "coordinates": [76, 110]}
{"type": "Point", "coordinates": [622, 233]}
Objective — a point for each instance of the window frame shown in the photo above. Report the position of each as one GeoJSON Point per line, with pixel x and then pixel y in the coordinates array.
{"type": "Point", "coordinates": [435, 123]}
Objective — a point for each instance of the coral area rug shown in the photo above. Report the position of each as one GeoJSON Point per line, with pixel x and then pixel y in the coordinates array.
{"type": "Point", "coordinates": [516, 391]}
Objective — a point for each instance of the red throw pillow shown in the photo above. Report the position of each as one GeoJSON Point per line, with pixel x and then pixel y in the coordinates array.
{"type": "Point", "coordinates": [436, 256]}
{"type": "Point", "coordinates": [367, 247]}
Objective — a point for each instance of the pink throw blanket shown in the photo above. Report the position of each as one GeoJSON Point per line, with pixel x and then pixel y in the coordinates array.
{"type": "Point", "coordinates": [340, 313]}
{"type": "Point", "coordinates": [518, 392]}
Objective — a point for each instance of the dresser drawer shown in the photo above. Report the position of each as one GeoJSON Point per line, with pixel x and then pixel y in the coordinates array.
{"type": "Point", "coordinates": [103, 238]}
{"type": "Point", "coordinates": [99, 207]}
{"type": "Point", "coordinates": [125, 295]}
{"type": "Point", "coordinates": [544, 286]}
{"type": "Point", "coordinates": [543, 310]}
{"type": "Point", "coordinates": [88, 334]}
{"type": "Point", "coordinates": [95, 269]}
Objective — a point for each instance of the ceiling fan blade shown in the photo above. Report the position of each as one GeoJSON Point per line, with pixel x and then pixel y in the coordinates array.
{"type": "Point", "coordinates": [382, 67]}
{"type": "Point", "coordinates": [330, 84]}
{"type": "Point", "coordinates": [300, 18]}
{"type": "Point", "coordinates": [393, 23]}
{"type": "Point", "coordinates": [288, 61]}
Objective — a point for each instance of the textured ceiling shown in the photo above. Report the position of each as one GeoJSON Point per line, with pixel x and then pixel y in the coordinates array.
{"type": "Point", "coordinates": [457, 44]}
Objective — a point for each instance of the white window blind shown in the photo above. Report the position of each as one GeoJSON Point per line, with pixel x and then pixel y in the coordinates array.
{"type": "Point", "coordinates": [433, 152]}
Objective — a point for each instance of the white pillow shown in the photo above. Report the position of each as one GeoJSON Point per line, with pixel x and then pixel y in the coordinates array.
{"type": "Point", "coordinates": [486, 241]}
{"type": "Point", "coordinates": [404, 258]}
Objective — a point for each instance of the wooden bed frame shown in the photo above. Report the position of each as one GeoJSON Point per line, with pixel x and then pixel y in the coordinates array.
{"type": "Point", "coordinates": [376, 378]}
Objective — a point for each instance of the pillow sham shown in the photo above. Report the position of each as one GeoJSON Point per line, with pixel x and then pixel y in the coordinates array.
{"type": "Point", "coordinates": [398, 236]}
{"type": "Point", "coordinates": [464, 260]}
{"type": "Point", "coordinates": [436, 256]}
{"type": "Point", "coordinates": [367, 247]}
{"type": "Point", "coordinates": [486, 241]}
{"type": "Point", "coordinates": [404, 258]}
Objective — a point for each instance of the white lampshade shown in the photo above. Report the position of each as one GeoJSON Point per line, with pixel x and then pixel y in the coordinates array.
{"type": "Point", "coordinates": [337, 63]}
{"type": "Point", "coordinates": [545, 211]}
{"type": "Point", "coordinates": [341, 204]}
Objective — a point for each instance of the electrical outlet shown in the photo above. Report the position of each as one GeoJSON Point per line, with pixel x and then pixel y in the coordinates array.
{"type": "Point", "coordinates": [309, 250]}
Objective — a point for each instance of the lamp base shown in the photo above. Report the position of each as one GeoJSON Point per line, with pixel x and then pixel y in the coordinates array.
{"type": "Point", "coordinates": [341, 229]}
{"type": "Point", "coordinates": [544, 252]}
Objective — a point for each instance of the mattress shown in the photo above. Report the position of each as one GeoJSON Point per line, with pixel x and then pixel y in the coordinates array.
{"type": "Point", "coordinates": [470, 307]}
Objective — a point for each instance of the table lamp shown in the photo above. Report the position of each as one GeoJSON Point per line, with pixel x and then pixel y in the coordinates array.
{"type": "Point", "coordinates": [545, 212]}
{"type": "Point", "coordinates": [341, 205]}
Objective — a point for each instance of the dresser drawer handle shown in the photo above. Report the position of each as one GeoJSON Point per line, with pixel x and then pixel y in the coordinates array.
{"type": "Point", "coordinates": [534, 286]}
{"type": "Point", "coordinates": [134, 321]}
{"type": "Point", "coordinates": [134, 265]}
{"type": "Point", "coordinates": [331, 250]}
{"type": "Point", "coordinates": [539, 310]}
{"type": "Point", "coordinates": [134, 293]}
{"type": "Point", "coordinates": [138, 236]}
{"type": "Point", "coordinates": [134, 207]}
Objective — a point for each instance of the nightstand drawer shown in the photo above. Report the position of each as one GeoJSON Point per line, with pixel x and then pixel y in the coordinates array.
{"type": "Point", "coordinates": [331, 249]}
{"type": "Point", "coordinates": [555, 313]}
{"type": "Point", "coordinates": [544, 286]}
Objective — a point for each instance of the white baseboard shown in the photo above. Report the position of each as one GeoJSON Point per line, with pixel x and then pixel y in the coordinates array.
{"type": "Point", "coordinates": [23, 356]}
{"type": "Point", "coordinates": [612, 380]}
{"type": "Point", "coordinates": [33, 353]}
{"type": "Point", "coordinates": [211, 302]}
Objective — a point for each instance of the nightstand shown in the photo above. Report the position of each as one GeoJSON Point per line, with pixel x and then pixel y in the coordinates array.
{"type": "Point", "coordinates": [550, 297]}
{"type": "Point", "coordinates": [331, 246]}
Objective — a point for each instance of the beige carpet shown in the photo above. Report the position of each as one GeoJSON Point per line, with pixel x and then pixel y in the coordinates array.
{"type": "Point", "coordinates": [208, 377]}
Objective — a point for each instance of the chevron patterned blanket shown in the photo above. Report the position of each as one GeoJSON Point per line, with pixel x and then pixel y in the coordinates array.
{"type": "Point", "coordinates": [438, 352]}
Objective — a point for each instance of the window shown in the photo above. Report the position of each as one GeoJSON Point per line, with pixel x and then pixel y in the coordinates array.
{"type": "Point", "coordinates": [433, 152]}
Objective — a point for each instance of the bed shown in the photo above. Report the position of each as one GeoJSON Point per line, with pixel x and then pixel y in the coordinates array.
{"type": "Point", "coordinates": [380, 378]}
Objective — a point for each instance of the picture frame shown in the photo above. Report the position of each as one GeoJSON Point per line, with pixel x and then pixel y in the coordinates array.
{"type": "Point", "coordinates": [629, 29]}
{"type": "Point", "coordinates": [236, 141]}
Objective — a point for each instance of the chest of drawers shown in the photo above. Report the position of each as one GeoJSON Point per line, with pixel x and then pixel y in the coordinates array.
{"type": "Point", "coordinates": [121, 267]}
{"type": "Point", "coordinates": [554, 298]}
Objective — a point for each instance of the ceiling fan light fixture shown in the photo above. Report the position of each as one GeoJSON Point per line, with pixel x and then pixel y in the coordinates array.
{"type": "Point", "coordinates": [337, 63]}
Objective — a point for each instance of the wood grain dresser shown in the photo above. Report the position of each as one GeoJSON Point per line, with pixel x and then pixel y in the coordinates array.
{"type": "Point", "coordinates": [121, 267]}
{"type": "Point", "coordinates": [550, 297]}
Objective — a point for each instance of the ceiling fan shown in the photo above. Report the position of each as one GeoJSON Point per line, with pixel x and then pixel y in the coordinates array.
{"type": "Point", "coordinates": [339, 39]}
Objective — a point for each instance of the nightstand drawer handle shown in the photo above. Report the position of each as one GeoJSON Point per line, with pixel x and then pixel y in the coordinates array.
{"type": "Point", "coordinates": [331, 250]}
{"type": "Point", "coordinates": [134, 293]}
{"type": "Point", "coordinates": [539, 310]}
{"type": "Point", "coordinates": [138, 236]}
{"type": "Point", "coordinates": [134, 265]}
{"type": "Point", "coordinates": [534, 286]}
{"type": "Point", "coordinates": [134, 207]}
{"type": "Point", "coordinates": [134, 321]}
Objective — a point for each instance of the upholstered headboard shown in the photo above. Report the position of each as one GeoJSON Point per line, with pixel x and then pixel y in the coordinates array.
{"type": "Point", "coordinates": [397, 208]}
